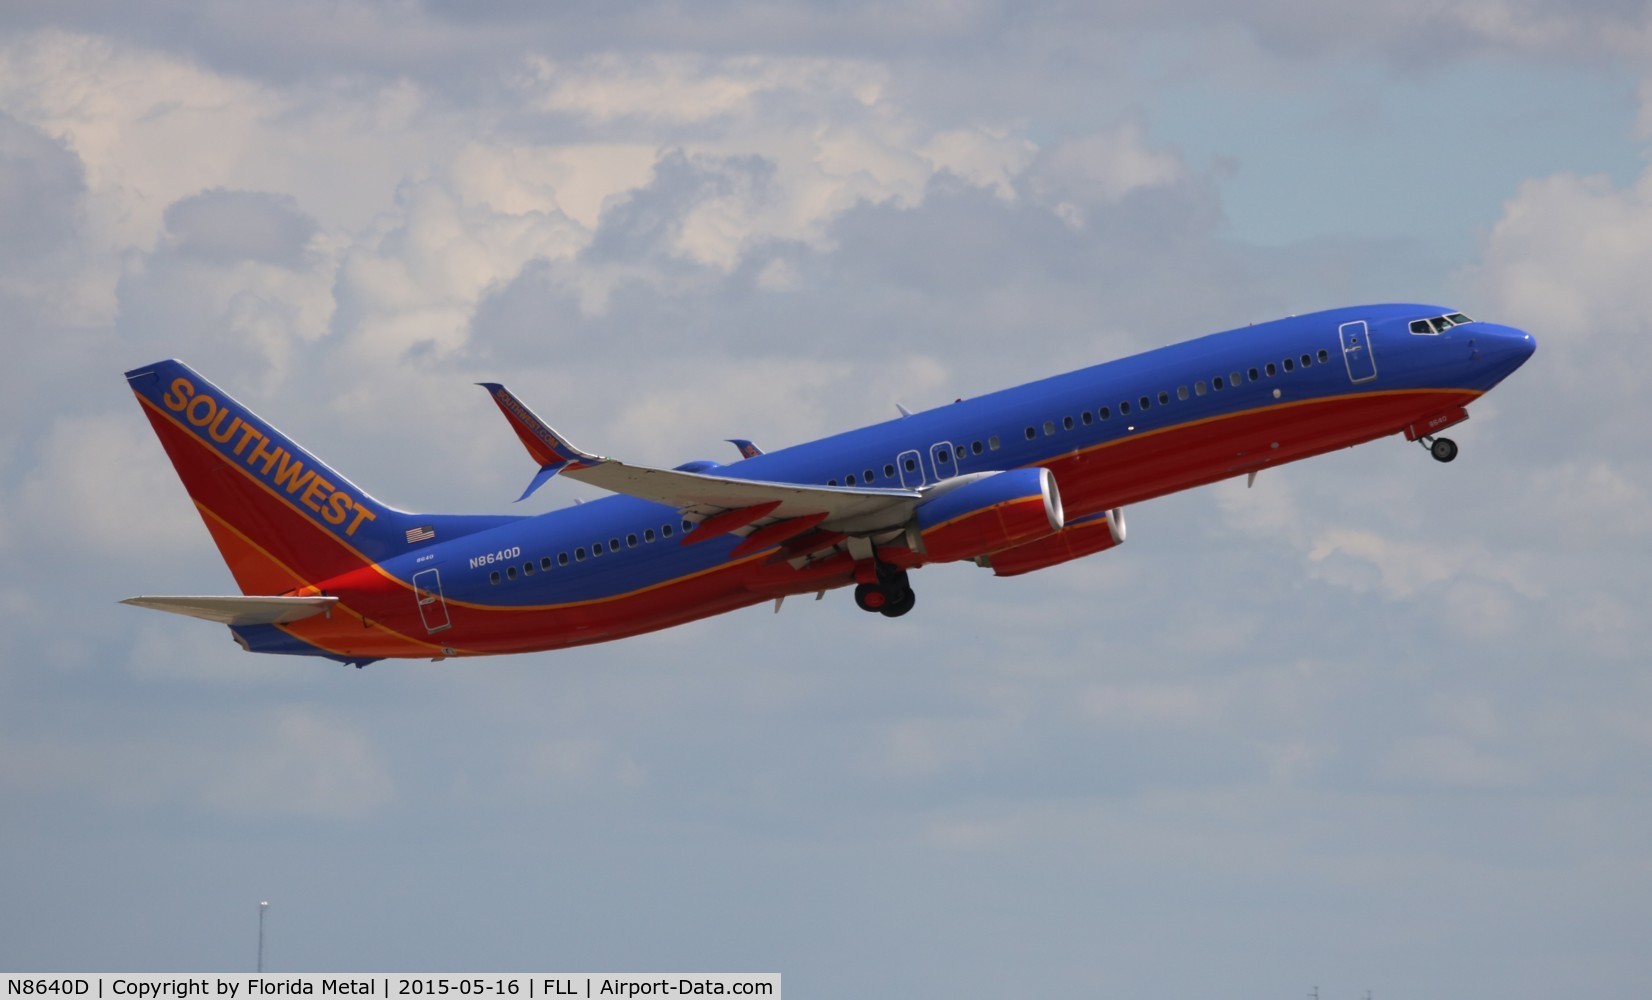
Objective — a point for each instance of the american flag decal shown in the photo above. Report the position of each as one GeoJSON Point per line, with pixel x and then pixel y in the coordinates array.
{"type": "Point", "coordinates": [423, 533]}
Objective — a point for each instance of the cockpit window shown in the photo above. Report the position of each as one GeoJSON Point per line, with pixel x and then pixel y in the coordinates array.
{"type": "Point", "coordinates": [1439, 324]}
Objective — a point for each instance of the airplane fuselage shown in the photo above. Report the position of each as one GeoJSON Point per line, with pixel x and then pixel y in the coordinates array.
{"type": "Point", "coordinates": [1114, 434]}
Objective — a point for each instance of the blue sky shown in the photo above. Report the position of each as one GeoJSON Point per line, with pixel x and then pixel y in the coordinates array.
{"type": "Point", "coordinates": [1375, 724]}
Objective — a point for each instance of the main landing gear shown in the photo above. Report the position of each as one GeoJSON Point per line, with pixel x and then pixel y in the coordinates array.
{"type": "Point", "coordinates": [891, 596]}
{"type": "Point", "coordinates": [1443, 449]}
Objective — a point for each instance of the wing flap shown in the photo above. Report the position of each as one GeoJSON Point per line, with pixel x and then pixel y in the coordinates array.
{"type": "Point", "coordinates": [239, 610]}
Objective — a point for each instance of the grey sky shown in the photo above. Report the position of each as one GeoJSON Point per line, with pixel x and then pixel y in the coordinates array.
{"type": "Point", "coordinates": [1374, 724]}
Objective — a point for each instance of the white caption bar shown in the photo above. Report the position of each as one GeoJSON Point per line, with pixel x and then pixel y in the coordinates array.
{"type": "Point", "coordinates": [390, 986]}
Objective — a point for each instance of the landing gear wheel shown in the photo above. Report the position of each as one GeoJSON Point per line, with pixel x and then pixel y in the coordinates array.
{"type": "Point", "coordinates": [1443, 449]}
{"type": "Point", "coordinates": [871, 597]}
{"type": "Point", "coordinates": [900, 604]}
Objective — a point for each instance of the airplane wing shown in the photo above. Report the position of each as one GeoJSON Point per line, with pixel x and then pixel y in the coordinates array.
{"type": "Point", "coordinates": [706, 498]}
{"type": "Point", "coordinates": [240, 610]}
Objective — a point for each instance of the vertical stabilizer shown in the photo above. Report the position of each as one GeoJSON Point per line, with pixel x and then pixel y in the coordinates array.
{"type": "Point", "coordinates": [282, 518]}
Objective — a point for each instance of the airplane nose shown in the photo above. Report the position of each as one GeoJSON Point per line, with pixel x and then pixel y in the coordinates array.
{"type": "Point", "coordinates": [1504, 348]}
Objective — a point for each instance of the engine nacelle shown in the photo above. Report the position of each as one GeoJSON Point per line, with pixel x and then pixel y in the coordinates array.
{"type": "Point", "coordinates": [996, 511]}
{"type": "Point", "coordinates": [1085, 536]}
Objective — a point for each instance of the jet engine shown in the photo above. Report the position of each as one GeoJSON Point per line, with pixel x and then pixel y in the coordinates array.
{"type": "Point", "coordinates": [1085, 536]}
{"type": "Point", "coordinates": [996, 511]}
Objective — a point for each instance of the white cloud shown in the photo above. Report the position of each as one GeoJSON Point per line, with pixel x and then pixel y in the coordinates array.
{"type": "Point", "coordinates": [1076, 175]}
{"type": "Point", "coordinates": [80, 494]}
{"type": "Point", "coordinates": [682, 88]}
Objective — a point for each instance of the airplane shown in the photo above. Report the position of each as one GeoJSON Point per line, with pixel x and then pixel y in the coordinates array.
{"type": "Point", "coordinates": [1015, 481]}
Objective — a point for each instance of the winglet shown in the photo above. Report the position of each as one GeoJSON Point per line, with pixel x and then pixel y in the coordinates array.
{"type": "Point", "coordinates": [551, 450]}
{"type": "Point", "coordinates": [747, 449]}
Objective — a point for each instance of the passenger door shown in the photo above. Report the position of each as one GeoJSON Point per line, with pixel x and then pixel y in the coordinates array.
{"type": "Point", "coordinates": [1356, 351]}
{"type": "Point", "coordinates": [427, 590]}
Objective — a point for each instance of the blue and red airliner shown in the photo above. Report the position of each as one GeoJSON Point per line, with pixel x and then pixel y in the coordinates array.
{"type": "Point", "coordinates": [1014, 481]}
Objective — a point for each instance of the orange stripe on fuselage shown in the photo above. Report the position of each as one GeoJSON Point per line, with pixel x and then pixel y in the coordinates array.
{"type": "Point", "coordinates": [1134, 467]}
{"type": "Point", "coordinates": [1152, 463]}
{"type": "Point", "coordinates": [327, 632]}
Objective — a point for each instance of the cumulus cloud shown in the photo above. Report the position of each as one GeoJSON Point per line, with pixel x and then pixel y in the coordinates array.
{"type": "Point", "coordinates": [665, 230]}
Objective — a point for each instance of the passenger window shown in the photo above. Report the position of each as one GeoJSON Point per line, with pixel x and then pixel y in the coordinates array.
{"type": "Point", "coordinates": [1289, 366]}
{"type": "Point", "coordinates": [631, 541]}
{"type": "Point", "coordinates": [1031, 433]}
{"type": "Point", "coordinates": [562, 558]}
{"type": "Point", "coordinates": [975, 446]}
{"type": "Point", "coordinates": [867, 478]}
{"type": "Point", "coordinates": [665, 530]}
{"type": "Point", "coordinates": [1181, 392]}
{"type": "Point", "coordinates": [1324, 356]}
{"type": "Point", "coordinates": [912, 464]}
{"type": "Point", "coordinates": [1255, 376]}
{"type": "Point", "coordinates": [688, 525]}
{"type": "Point", "coordinates": [1164, 398]}
{"type": "Point", "coordinates": [1235, 379]}
{"type": "Point", "coordinates": [1307, 360]}
{"type": "Point", "coordinates": [596, 549]}
{"type": "Point", "coordinates": [831, 482]}
{"type": "Point", "coordinates": [1271, 370]}
{"type": "Point", "coordinates": [527, 569]}
{"type": "Point", "coordinates": [1067, 423]}
{"type": "Point", "coordinates": [1216, 383]}
{"type": "Point", "coordinates": [648, 534]}
{"type": "Point", "coordinates": [1049, 427]}
{"type": "Point", "coordinates": [579, 555]}
{"type": "Point", "coordinates": [1198, 388]}
{"type": "Point", "coordinates": [1124, 408]}
{"type": "Point", "coordinates": [1106, 413]}
{"type": "Point", "coordinates": [613, 545]}
{"type": "Point", "coordinates": [992, 442]}
{"type": "Point", "coordinates": [943, 457]}
{"type": "Point", "coordinates": [493, 578]}
{"type": "Point", "coordinates": [1087, 418]}
{"type": "Point", "coordinates": [510, 572]}
{"type": "Point", "coordinates": [1145, 402]}
{"type": "Point", "coordinates": [849, 480]}
{"type": "Point", "coordinates": [889, 472]}
{"type": "Point", "coordinates": [963, 453]}
{"type": "Point", "coordinates": [545, 564]}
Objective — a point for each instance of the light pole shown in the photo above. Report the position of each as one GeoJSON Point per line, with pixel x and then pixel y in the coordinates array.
{"type": "Point", "coordinates": [262, 906]}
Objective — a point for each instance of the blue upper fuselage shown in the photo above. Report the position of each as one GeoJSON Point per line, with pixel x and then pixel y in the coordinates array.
{"type": "Point", "coordinates": [619, 544]}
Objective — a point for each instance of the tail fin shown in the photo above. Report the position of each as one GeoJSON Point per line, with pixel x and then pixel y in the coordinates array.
{"type": "Point", "coordinates": [282, 518]}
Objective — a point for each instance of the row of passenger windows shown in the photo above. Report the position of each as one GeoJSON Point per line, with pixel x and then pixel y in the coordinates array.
{"type": "Point", "coordinates": [580, 554]}
{"type": "Point", "coordinates": [910, 463]}
{"type": "Point", "coordinates": [1218, 383]}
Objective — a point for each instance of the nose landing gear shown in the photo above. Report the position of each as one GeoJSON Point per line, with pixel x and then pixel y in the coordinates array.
{"type": "Point", "coordinates": [1443, 449]}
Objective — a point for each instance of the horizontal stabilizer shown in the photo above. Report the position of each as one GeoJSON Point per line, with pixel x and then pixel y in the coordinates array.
{"type": "Point", "coordinates": [240, 610]}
